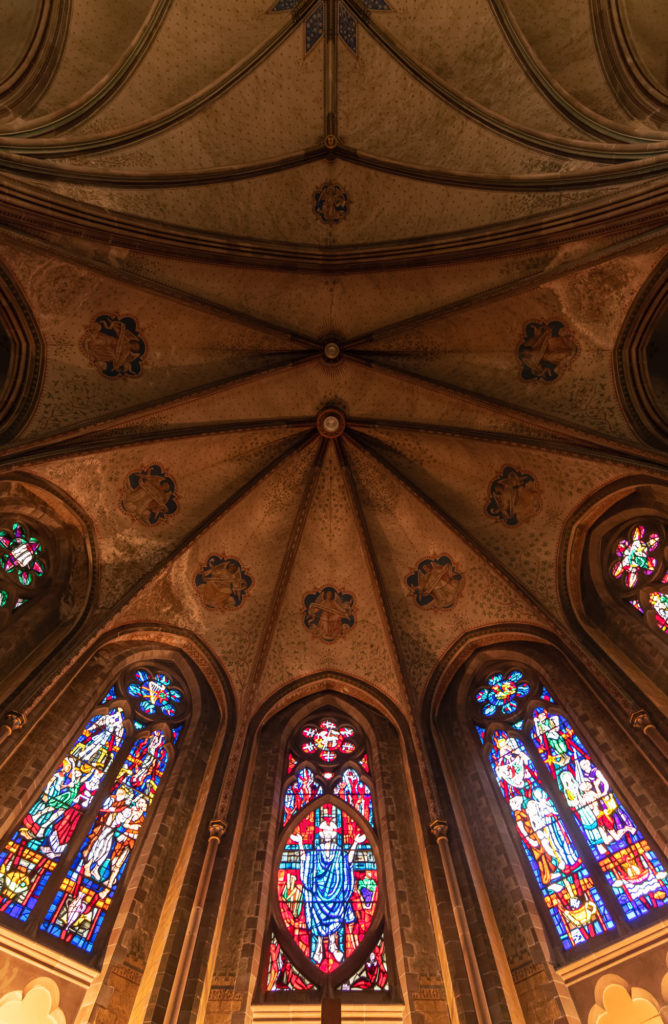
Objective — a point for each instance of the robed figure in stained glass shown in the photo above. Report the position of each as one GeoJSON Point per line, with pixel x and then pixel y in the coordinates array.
{"type": "Point", "coordinates": [328, 881]}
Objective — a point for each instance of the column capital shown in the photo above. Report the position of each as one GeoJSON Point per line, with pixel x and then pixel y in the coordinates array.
{"type": "Point", "coordinates": [439, 828]}
{"type": "Point", "coordinates": [15, 720]}
{"type": "Point", "coordinates": [217, 829]}
{"type": "Point", "coordinates": [640, 719]}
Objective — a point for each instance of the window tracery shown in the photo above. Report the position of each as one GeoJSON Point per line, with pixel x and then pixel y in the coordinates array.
{"type": "Point", "coordinates": [638, 571]}
{"type": "Point", "coordinates": [591, 863]}
{"type": "Point", "coordinates": [327, 893]}
{"type": "Point", "coordinates": [63, 864]}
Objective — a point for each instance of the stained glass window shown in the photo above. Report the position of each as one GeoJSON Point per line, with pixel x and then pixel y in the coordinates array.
{"type": "Point", "coordinates": [22, 566]}
{"type": "Point", "coordinates": [591, 863]}
{"type": "Point", "coordinates": [61, 867]}
{"type": "Point", "coordinates": [327, 884]}
{"type": "Point", "coordinates": [638, 572]}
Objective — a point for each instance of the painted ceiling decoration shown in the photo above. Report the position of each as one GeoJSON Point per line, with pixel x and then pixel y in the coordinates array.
{"type": "Point", "coordinates": [328, 337]}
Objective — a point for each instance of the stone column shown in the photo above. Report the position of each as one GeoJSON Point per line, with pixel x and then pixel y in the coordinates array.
{"type": "Point", "coordinates": [217, 830]}
{"type": "Point", "coordinates": [640, 720]}
{"type": "Point", "coordinates": [439, 829]}
{"type": "Point", "coordinates": [14, 721]}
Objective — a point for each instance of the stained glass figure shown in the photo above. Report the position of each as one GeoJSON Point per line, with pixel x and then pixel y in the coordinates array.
{"type": "Point", "coordinates": [575, 905]}
{"type": "Point", "coordinates": [634, 556]}
{"type": "Point", "coordinates": [501, 693]}
{"type": "Point", "coordinates": [372, 975]}
{"type": "Point", "coordinates": [659, 602]}
{"type": "Point", "coordinates": [304, 789]}
{"type": "Point", "coordinates": [31, 854]}
{"type": "Point", "coordinates": [158, 693]}
{"type": "Point", "coordinates": [327, 886]}
{"type": "Point", "coordinates": [19, 552]}
{"type": "Point", "coordinates": [355, 792]}
{"type": "Point", "coordinates": [282, 975]}
{"type": "Point", "coordinates": [635, 873]}
{"type": "Point", "coordinates": [85, 894]}
{"type": "Point", "coordinates": [328, 740]}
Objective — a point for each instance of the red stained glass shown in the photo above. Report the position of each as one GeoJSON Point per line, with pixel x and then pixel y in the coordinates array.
{"type": "Point", "coordinates": [282, 975]}
{"type": "Point", "coordinates": [327, 886]}
{"type": "Point", "coordinates": [304, 789]}
{"type": "Point", "coordinates": [372, 975]}
{"type": "Point", "coordinates": [328, 740]}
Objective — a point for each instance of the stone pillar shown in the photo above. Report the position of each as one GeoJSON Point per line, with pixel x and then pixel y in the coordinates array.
{"type": "Point", "coordinates": [217, 830]}
{"type": "Point", "coordinates": [439, 830]}
{"type": "Point", "coordinates": [14, 721]}
{"type": "Point", "coordinates": [640, 720]}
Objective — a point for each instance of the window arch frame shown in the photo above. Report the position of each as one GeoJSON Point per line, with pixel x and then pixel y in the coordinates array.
{"type": "Point", "coordinates": [32, 928]}
{"type": "Point", "coordinates": [380, 926]}
{"type": "Point", "coordinates": [622, 928]}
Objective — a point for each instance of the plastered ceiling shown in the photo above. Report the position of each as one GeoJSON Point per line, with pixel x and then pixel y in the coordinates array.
{"type": "Point", "coordinates": [490, 192]}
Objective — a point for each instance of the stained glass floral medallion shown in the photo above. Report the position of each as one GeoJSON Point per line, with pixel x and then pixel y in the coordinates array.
{"type": "Point", "coordinates": [327, 886]}
{"type": "Point", "coordinates": [634, 556]}
{"type": "Point", "coordinates": [157, 692]}
{"type": "Point", "coordinates": [19, 552]}
{"type": "Point", "coordinates": [328, 740]}
{"type": "Point", "coordinates": [501, 694]}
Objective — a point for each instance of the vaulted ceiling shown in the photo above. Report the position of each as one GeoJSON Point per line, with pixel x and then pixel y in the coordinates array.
{"type": "Point", "coordinates": [494, 211]}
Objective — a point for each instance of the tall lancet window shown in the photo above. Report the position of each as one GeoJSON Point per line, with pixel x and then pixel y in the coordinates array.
{"type": "Point", "coordinates": [328, 902]}
{"type": "Point", "coordinates": [638, 571]}
{"type": "Point", "coordinates": [64, 862]}
{"type": "Point", "coordinates": [592, 865]}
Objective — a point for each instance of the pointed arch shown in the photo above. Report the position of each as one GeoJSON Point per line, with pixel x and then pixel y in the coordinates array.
{"type": "Point", "coordinates": [641, 359]}
{"type": "Point", "coordinates": [613, 587]}
{"type": "Point", "coordinates": [21, 357]}
{"type": "Point", "coordinates": [148, 900]}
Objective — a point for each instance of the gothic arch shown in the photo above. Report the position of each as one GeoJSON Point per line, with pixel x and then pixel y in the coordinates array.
{"type": "Point", "coordinates": [504, 880]}
{"type": "Point", "coordinates": [641, 359]}
{"type": "Point", "coordinates": [239, 941]}
{"type": "Point", "coordinates": [56, 603]}
{"type": "Point", "coordinates": [588, 592]}
{"type": "Point", "coordinates": [630, 60]}
{"type": "Point", "coordinates": [143, 929]}
{"type": "Point", "coordinates": [21, 358]}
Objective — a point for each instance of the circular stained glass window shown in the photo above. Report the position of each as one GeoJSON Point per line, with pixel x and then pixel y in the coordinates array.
{"type": "Point", "coordinates": [502, 694]}
{"type": "Point", "coordinates": [19, 553]}
{"type": "Point", "coordinates": [157, 694]}
{"type": "Point", "coordinates": [328, 740]}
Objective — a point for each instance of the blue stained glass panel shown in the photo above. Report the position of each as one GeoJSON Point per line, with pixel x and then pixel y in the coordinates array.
{"type": "Point", "coordinates": [29, 857]}
{"type": "Point", "coordinates": [574, 904]}
{"type": "Point", "coordinates": [355, 792]}
{"type": "Point", "coordinates": [304, 789]}
{"type": "Point", "coordinates": [87, 890]}
{"type": "Point", "coordinates": [637, 877]}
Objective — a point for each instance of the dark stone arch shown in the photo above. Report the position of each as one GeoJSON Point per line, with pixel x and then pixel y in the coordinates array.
{"type": "Point", "coordinates": [641, 359]}
{"type": "Point", "coordinates": [21, 358]}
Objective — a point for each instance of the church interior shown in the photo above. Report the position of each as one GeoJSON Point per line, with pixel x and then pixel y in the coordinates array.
{"type": "Point", "coordinates": [334, 512]}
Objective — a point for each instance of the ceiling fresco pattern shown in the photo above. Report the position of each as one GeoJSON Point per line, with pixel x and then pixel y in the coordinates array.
{"type": "Point", "coordinates": [430, 227]}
